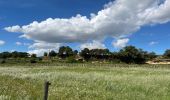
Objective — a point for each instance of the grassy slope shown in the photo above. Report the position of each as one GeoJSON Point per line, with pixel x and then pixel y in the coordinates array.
{"type": "Point", "coordinates": [85, 83]}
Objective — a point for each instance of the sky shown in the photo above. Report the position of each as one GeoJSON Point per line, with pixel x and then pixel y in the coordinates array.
{"type": "Point", "coordinates": [37, 26]}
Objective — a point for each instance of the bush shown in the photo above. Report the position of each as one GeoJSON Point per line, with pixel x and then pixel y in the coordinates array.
{"type": "Point", "coordinates": [3, 61]}
{"type": "Point", "coordinates": [167, 54]}
{"type": "Point", "coordinates": [33, 61]}
{"type": "Point", "coordinates": [71, 59]}
{"type": "Point", "coordinates": [40, 59]}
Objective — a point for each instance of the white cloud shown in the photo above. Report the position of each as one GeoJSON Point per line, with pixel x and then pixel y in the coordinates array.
{"type": "Point", "coordinates": [120, 43]}
{"type": "Point", "coordinates": [118, 18]}
{"type": "Point", "coordinates": [93, 45]}
{"type": "Point", "coordinates": [44, 45]}
{"type": "Point", "coordinates": [22, 44]}
{"type": "Point", "coordinates": [13, 28]}
{"type": "Point", "coordinates": [40, 47]}
{"type": "Point", "coordinates": [26, 44]}
{"type": "Point", "coordinates": [38, 52]}
{"type": "Point", "coordinates": [18, 43]}
{"type": "Point", "coordinates": [153, 43]}
{"type": "Point", "coordinates": [2, 42]}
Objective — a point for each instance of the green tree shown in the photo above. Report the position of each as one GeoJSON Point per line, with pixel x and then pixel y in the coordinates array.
{"type": "Point", "coordinates": [5, 55]}
{"type": "Point", "coordinates": [85, 53]}
{"type": "Point", "coordinates": [45, 54]}
{"type": "Point", "coordinates": [167, 53]}
{"type": "Point", "coordinates": [100, 53]}
{"type": "Point", "coordinates": [33, 56]}
{"type": "Point", "coordinates": [65, 51]}
{"type": "Point", "coordinates": [151, 55]}
{"type": "Point", "coordinates": [131, 54]}
{"type": "Point", "coordinates": [75, 52]}
{"type": "Point", "coordinates": [52, 53]}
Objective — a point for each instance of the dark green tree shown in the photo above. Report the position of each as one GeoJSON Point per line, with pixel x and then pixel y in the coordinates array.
{"type": "Point", "coordinates": [5, 55]}
{"type": "Point", "coordinates": [52, 53]}
{"type": "Point", "coordinates": [151, 56]}
{"type": "Point", "coordinates": [85, 53]}
{"type": "Point", "coordinates": [75, 52]}
{"type": "Point", "coordinates": [33, 56]}
{"type": "Point", "coordinates": [65, 51]}
{"type": "Point", "coordinates": [131, 54]}
{"type": "Point", "coordinates": [45, 54]}
{"type": "Point", "coordinates": [167, 53]}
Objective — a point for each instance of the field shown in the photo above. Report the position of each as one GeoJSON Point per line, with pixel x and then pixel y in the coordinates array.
{"type": "Point", "coordinates": [86, 82]}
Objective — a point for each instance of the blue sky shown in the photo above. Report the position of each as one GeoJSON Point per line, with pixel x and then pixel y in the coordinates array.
{"type": "Point", "coordinates": [153, 35]}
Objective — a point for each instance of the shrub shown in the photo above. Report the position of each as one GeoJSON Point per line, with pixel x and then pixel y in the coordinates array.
{"type": "Point", "coordinates": [33, 61]}
{"type": "Point", "coordinates": [3, 61]}
{"type": "Point", "coordinates": [71, 59]}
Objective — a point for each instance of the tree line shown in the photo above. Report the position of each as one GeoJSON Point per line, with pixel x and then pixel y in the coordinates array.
{"type": "Point", "coordinates": [128, 54]}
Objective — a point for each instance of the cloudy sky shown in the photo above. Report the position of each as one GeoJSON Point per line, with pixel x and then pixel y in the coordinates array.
{"type": "Point", "coordinates": [36, 26]}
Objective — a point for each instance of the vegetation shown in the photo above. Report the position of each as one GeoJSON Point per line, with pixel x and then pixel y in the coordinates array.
{"type": "Point", "coordinates": [86, 82]}
{"type": "Point", "coordinates": [65, 52]}
{"type": "Point", "coordinates": [167, 53]}
{"type": "Point", "coordinates": [14, 54]}
{"type": "Point", "coordinates": [76, 79]}
{"type": "Point", "coordinates": [129, 55]}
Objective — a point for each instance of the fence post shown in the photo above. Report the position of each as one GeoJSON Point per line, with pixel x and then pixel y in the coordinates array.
{"type": "Point", "coordinates": [46, 87]}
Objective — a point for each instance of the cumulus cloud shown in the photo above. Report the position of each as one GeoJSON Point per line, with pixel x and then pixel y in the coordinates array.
{"type": "Point", "coordinates": [118, 18]}
{"type": "Point", "coordinates": [93, 45]}
{"type": "Point", "coordinates": [44, 45]}
{"type": "Point", "coordinates": [2, 42]}
{"type": "Point", "coordinates": [13, 28]}
{"type": "Point", "coordinates": [39, 52]}
{"type": "Point", "coordinates": [40, 47]}
{"type": "Point", "coordinates": [120, 43]}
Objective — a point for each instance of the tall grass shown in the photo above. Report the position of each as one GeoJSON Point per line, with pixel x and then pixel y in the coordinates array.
{"type": "Point", "coordinates": [88, 82]}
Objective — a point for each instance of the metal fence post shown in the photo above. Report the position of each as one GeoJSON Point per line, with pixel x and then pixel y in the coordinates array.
{"type": "Point", "coordinates": [46, 87]}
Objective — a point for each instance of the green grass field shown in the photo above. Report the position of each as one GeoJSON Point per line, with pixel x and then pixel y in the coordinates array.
{"type": "Point", "coordinates": [116, 82]}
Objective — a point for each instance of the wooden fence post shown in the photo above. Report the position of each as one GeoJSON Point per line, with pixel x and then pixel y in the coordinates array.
{"type": "Point", "coordinates": [46, 87]}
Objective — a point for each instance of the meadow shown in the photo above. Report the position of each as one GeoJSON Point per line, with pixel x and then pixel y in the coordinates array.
{"type": "Point", "coordinates": [86, 82]}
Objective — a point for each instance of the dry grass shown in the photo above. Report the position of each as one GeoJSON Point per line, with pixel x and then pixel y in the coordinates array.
{"type": "Point", "coordinates": [86, 83]}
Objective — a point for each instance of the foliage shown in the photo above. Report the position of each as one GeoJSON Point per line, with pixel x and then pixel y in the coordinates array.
{"type": "Point", "coordinates": [45, 54]}
{"type": "Point", "coordinates": [130, 54]}
{"type": "Point", "coordinates": [65, 51]}
{"type": "Point", "coordinates": [71, 59]}
{"type": "Point", "coordinates": [2, 61]}
{"type": "Point", "coordinates": [14, 54]}
{"type": "Point", "coordinates": [52, 53]}
{"type": "Point", "coordinates": [33, 56]}
{"type": "Point", "coordinates": [75, 52]}
{"type": "Point", "coordinates": [33, 60]}
{"type": "Point", "coordinates": [167, 53]}
{"type": "Point", "coordinates": [85, 53]}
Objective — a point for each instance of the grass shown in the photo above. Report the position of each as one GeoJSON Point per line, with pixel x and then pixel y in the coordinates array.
{"type": "Point", "coordinates": [88, 82]}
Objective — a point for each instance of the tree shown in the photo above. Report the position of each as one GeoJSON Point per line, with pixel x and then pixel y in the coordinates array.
{"type": "Point", "coordinates": [85, 53]}
{"type": "Point", "coordinates": [75, 52]}
{"type": "Point", "coordinates": [5, 55]}
{"type": "Point", "coordinates": [14, 54]}
{"type": "Point", "coordinates": [65, 51]}
{"type": "Point", "coordinates": [131, 54]}
{"type": "Point", "coordinates": [151, 55]}
{"type": "Point", "coordinates": [33, 56]}
{"type": "Point", "coordinates": [52, 53]}
{"type": "Point", "coordinates": [167, 53]}
{"type": "Point", "coordinates": [100, 53]}
{"type": "Point", "coordinates": [45, 54]}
